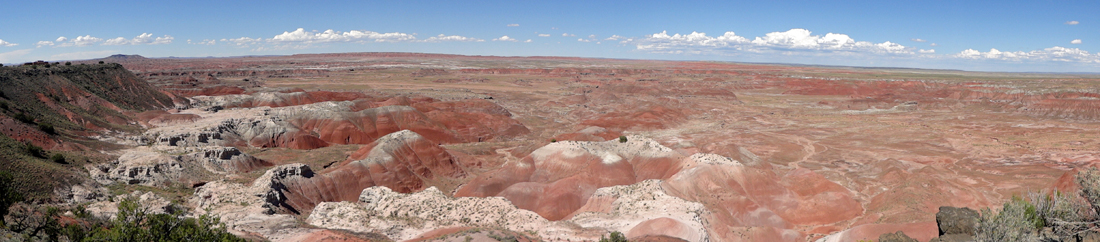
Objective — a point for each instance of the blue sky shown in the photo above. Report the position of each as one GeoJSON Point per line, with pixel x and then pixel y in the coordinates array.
{"type": "Point", "coordinates": [1049, 36]}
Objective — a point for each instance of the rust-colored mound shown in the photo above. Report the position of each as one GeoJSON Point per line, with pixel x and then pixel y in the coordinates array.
{"type": "Point", "coordinates": [557, 179]}
{"type": "Point", "coordinates": [661, 227]}
{"type": "Point", "coordinates": [744, 198]}
{"type": "Point", "coordinates": [313, 130]}
{"type": "Point", "coordinates": [403, 161]}
{"type": "Point", "coordinates": [161, 118]}
{"type": "Point", "coordinates": [280, 99]}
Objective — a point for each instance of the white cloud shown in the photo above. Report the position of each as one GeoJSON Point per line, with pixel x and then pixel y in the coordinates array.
{"type": "Point", "coordinates": [505, 38]}
{"type": "Point", "coordinates": [12, 56]}
{"type": "Point", "coordinates": [203, 42]}
{"type": "Point", "coordinates": [528, 41]}
{"type": "Point", "coordinates": [924, 51]}
{"type": "Point", "coordinates": [544, 35]}
{"type": "Point", "coordinates": [918, 40]}
{"type": "Point", "coordinates": [615, 37]}
{"type": "Point", "coordinates": [83, 55]}
{"type": "Point", "coordinates": [1073, 22]}
{"type": "Point", "coordinates": [795, 41]}
{"type": "Point", "coordinates": [78, 41]}
{"type": "Point", "coordinates": [7, 44]}
{"type": "Point", "coordinates": [66, 42]}
{"type": "Point", "coordinates": [789, 42]}
{"type": "Point", "coordinates": [242, 41]}
{"type": "Point", "coordinates": [85, 40]}
{"type": "Point", "coordinates": [1056, 53]}
{"type": "Point", "coordinates": [567, 35]}
{"type": "Point", "coordinates": [933, 45]}
{"type": "Point", "coordinates": [584, 40]}
{"type": "Point", "coordinates": [143, 39]}
{"type": "Point", "coordinates": [443, 38]}
{"type": "Point", "coordinates": [513, 25]}
{"type": "Point", "coordinates": [302, 36]}
{"type": "Point", "coordinates": [1076, 41]}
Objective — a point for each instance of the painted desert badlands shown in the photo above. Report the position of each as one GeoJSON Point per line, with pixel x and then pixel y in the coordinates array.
{"type": "Point", "coordinates": [426, 147]}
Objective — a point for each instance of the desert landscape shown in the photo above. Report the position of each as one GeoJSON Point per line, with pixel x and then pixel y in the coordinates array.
{"type": "Point", "coordinates": [434, 147]}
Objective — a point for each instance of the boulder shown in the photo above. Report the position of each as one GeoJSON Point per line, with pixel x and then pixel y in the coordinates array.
{"type": "Point", "coordinates": [895, 237]}
{"type": "Point", "coordinates": [952, 220]}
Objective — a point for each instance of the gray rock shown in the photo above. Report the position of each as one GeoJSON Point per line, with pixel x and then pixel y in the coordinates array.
{"type": "Point", "coordinates": [953, 238]}
{"type": "Point", "coordinates": [896, 237]}
{"type": "Point", "coordinates": [952, 220]}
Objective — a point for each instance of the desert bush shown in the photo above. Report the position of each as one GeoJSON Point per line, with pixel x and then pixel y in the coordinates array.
{"type": "Point", "coordinates": [48, 128]}
{"type": "Point", "coordinates": [58, 158]}
{"type": "Point", "coordinates": [135, 223]}
{"type": "Point", "coordinates": [100, 62]}
{"type": "Point", "coordinates": [1062, 216]}
{"type": "Point", "coordinates": [615, 236]}
{"type": "Point", "coordinates": [68, 63]}
{"type": "Point", "coordinates": [34, 150]}
{"type": "Point", "coordinates": [8, 194]}
{"type": "Point", "coordinates": [622, 139]}
{"type": "Point", "coordinates": [1018, 220]}
{"type": "Point", "coordinates": [22, 117]}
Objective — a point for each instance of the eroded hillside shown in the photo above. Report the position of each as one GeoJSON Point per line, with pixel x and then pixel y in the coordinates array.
{"type": "Point", "coordinates": [376, 146]}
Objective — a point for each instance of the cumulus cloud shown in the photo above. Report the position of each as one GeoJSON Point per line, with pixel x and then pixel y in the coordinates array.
{"type": "Point", "coordinates": [513, 25]}
{"type": "Point", "coordinates": [309, 37]}
{"type": "Point", "coordinates": [924, 51]}
{"type": "Point", "coordinates": [544, 35]}
{"type": "Point", "coordinates": [444, 38]}
{"type": "Point", "coordinates": [505, 38]}
{"type": "Point", "coordinates": [7, 44]}
{"type": "Point", "coordinates": [567, 35]}
{"type": "Point", "coordinates": [1076, 41]}
{"type": "Point", "coordinates": [66, 42]}
{"type": "Point", "coordinates": [933, 45]}
{"type": "Point", "coordinates": [203, 42]}
{"type": "Point", "coordinates": [242, 41]}
{"type": "Point", "coordinates": [918, 40]}
{"type": "Point", "coordinates": [527, 41]}
{"type": "Point", "coordinates": [1056, 53]}
{"type": "Point", "coordinates": [143, 39]}
{"type": "Point", "coordinates": [791, 41]}
{"type": "Point", "coordinates": [615, 37]}
{"type": "Point", "coordinates": [584, 40]}
{"type": "Point", "coordinates": [1073, 22]}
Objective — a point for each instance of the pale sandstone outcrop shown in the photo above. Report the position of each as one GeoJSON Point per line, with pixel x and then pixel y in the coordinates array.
{"type": "Point", "coordinates": [629, 208]}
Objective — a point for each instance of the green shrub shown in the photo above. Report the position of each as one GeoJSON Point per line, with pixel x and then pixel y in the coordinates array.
{"type": "Point", "coordinates": [34, 150]}
{"type": "Point", "coordinates": [58, 158]}
{"type": "Point", "coordinates": [615, 236]}
{"type": "Point", "coordinates": [100, 62]}
{"type": "Point", "coordinates": [1015, 222]}
{"type": "Point", "coordinates": [622, 139]}
{"type": "Point", "coordinates": [553, 140]}
{"type": "Point", "coordinates": [22, 117]}
{"type": "Point", "coordinates": [48, 128]}
{"type": "Point", "coordinates": [68, 63]}
{"type": "Point", "coordinates": [8, 194]}
{"type": "Point", "coordinates": [134, 223]}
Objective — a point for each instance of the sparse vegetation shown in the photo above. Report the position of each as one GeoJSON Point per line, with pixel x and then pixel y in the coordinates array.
{"type": "Point", "coordinates": [58, 158]}
{"type": "Point", "coordinates": [8, 195]}
{"type": "Point", "coordinates": [1052, 216]}
{"type": "Point", "coordinates": [615, 236]}
{"type": "Point", "coordinates": [622, 139]}
{"type": "Point", "coordinates": [34, 150]}
{"type": "Point", "coordinates": [45, 127]}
